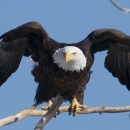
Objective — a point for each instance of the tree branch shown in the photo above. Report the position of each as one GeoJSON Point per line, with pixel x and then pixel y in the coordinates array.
{"type": "Point", "coordinates": [119, 7]}
{"type": "Point", "coordinates": [25, 113]}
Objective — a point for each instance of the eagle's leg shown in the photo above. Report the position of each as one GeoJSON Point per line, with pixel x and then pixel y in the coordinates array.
{"type": "Point", "coordinates": [48, 105]}
{"type": "Point", "coordinates": [75, 106]}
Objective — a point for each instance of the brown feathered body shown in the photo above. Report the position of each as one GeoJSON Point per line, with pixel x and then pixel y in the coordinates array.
{"type": "Point", "coordinates": [53, 80]}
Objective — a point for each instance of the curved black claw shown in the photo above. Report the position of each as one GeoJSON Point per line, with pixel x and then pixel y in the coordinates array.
{"type": "Point", "coordinates": [33, 106]}
{"type": "Point", "coordinates": [57, 113]}
{"type": "Point", "coordinates": [70, 110]}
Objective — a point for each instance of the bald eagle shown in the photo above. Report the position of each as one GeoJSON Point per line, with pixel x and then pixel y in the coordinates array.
{"type": "Point", "coordinates": [60, 67]}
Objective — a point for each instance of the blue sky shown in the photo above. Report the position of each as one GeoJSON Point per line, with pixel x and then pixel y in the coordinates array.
{"type": "Point", "coordinates": [66, 21]}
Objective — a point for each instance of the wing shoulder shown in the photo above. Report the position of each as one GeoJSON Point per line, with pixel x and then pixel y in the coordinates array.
{"type": "Point", "coordinates": [25, 30]}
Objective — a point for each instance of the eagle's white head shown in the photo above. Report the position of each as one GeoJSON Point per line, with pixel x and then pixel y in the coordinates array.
{"type": "Point", "coordinates": [70, 58]}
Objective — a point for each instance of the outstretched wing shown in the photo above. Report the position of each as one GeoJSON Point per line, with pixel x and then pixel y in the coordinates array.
{"type": "Point", "coordinates": [117, 60]}
{"type": "Point", "coordinates": [37, 44]}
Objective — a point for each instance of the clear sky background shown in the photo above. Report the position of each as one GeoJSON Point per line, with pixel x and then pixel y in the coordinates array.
{"type": "Point", "coordinates": [66, 21]}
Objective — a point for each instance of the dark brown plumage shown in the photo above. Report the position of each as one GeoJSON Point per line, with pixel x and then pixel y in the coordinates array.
{"type": "Point", "coordinates": [50, 78]}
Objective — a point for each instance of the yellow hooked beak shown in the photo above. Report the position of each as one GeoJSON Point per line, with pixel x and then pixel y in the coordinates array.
{"type": "Point", "coordinates": [68, 57]}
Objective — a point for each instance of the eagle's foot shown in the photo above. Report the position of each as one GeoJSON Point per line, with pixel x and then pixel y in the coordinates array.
{"type": "Point", "coordinates": [75, 106]}
{"type": "Point", "coordinates": [45, 108]}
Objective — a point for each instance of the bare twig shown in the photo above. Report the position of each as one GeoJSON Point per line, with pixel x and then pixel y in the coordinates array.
{"type": "Point", "coordinates": [119, 7]}
{"type": "Point", "coordinates": [25, 113]}
{"type": "Point", "coordinates": [51, 112]}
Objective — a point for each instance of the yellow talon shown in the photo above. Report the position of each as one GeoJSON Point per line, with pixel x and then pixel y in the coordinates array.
{"type": "Point", "coordinates": [48, 106]}
{"type": "Point", "coordinates": [75, 106]}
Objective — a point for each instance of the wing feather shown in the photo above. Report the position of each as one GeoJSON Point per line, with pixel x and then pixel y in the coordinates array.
{"type": "Point", "coordinates": [110, 58]}
{"type": "Point", "coordinates": [10, 60]}
{"type": "Point", "coordinates": [113, 57]}
{"type": "Point", "coordinates": [119, 68]}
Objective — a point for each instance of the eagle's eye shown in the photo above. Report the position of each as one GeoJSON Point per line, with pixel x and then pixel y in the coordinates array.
{"type": "Point", "coordinates": [74, 53]}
